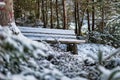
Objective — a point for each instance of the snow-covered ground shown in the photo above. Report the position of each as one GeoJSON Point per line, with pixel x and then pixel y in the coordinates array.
{"type": "Point", "coordinates": [85, 51]}
{"type": "Point", "coordinates": [24, 59]}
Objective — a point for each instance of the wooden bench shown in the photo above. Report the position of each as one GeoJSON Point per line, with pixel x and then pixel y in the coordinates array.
{"type": "Point", "coordinates": [53, 36]}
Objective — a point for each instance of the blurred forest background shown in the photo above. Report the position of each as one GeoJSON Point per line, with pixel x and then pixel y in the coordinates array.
{"type": "Point", "coordinates": [99, 19]}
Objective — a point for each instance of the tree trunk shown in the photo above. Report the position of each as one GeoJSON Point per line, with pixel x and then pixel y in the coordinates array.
{"type": "Point", "coordinates": [46, 13]}
{"type": "Point", "coordinates": [57, 14]}
{"type": "Point", "coordinates": [93, 16]}
{"type": "Point", "coordinates": [64, 15]}
{"type": "Point", "coordinates": [43, 14]}
{"type": "Point", "coordinates": [6, 13]}
{"type": "Point", "coordinates": [51, 11]}
{"type": "Point", "coordinates": [88, 18]}
{"type": "Point", "coordinates": [78, 18]}
{"type": "Point", "coordinates": [75, 15]}
{"type": "Point", "coordinates": [102, 26]}
{"type": "Point", "coordinates": [38, 9]}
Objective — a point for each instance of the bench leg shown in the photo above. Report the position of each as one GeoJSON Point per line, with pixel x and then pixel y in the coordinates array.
{"type": "Point", "coordinates": [73, 48]}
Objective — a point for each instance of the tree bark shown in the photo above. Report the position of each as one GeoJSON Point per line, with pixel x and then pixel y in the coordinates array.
{"type": "Point", "coordinates": [64, 15]}
{"type": "Point", "coordinates": [46, 13]}
{"type": "Point", "coordinates": [75, 15]}
{"type": "Point", "coordinates": [6, 13]}
{"type": "Point", "coordinates": [43, 14]}
{"type": "Point", "coordinates": [102, 26]}
{"type": "Point", "coordinates": [57, 14]}
{"type": "Point", "coordinates": [88, 18]}
{"type": "Point", "coordinates": [51, 10]}
{"type": "Point", "coordinates": [38, 9]}
{"type": "Point", "coordinates": [78, 18]}
{"type": "Point", "coordinates": [93, 16]}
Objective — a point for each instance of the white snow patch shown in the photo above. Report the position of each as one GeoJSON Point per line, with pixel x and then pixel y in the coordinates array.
{"type": "Point", "coordinates": [85, 51]}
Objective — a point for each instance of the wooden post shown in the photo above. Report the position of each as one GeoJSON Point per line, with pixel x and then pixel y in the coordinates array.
{"type": "Point", "coordinates": [75, 49]}
{"type": "Point", "coordinates": [72, 48]}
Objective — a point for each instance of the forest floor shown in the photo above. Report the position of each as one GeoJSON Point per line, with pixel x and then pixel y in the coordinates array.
{"type": "Point", "coordinates": [24, 59]}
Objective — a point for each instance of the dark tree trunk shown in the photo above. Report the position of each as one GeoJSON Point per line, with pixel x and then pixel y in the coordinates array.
{"type": "Point", "coordinates": [43, 14]}
{"type": "Point", "coordinates": [57, 14]}
{"type": "Point", "coordinates": [38, 9]}
{"type": "Point", "coordinates": [46, 13]}
{"type": "Point", "coordinates": [102, 26]}
{"type": "Point", "coordinates": [64, 15]}
{"type": "Point", "coordinates": [51, 10]}
{"type": "Point", "coordinates": [93, 16]}
{"type": "Point", "coordinates": [88, 18]}
{"type": "Point", "coordinates": [75, 15]}
{"type": "Point", "coordinates": [78, 18]}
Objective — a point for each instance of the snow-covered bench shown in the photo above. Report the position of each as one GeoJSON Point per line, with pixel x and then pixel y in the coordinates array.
{"type": "Point", "coordinates": [53, 36]}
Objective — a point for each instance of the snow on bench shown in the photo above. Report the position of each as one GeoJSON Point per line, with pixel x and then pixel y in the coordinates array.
{"type": "Point", "coordinates": [53, 36]}
{"type": "Point", "coordinates": [41, 35]}
{"type": "Point", "coordinates": [46, 31]}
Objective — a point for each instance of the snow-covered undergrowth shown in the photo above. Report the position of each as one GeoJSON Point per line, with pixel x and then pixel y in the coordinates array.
{"type": "Point", "coordinates": [88, 50]}
{"type": "Point", "coordinates": [26, 58]}
{"type": "Point", "coordinates": [23, 59]}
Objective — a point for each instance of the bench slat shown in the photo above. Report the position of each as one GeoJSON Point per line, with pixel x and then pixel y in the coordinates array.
{"type": "Point", "coordinates": [51, 35]}
{"type": "Point", "coordinates": [52, 40]}
{"type": "Point", "coordinates": [48, 35]}
{"type": "Point", "coordinates": [46, 31]}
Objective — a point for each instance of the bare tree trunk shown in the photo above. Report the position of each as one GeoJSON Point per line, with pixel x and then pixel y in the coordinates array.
{"type": "Point", "coordinates": [43, 14]}
{"type": "Point", "coordinates": [38, 9]}
{"type": "Point", "coordinates": [51, 10]}
{"type": "Point", "coordinates": [57, 14]}
{"type": "Point", "coordinates": [64, 15]}
{"type": "Point", "coordinates": [88, 18]}
{"type": "Point", "coordinates": [46, 13]}
{"type": "Point", "coordinates": [75, 14]}
{"type": "Point", "coordinates": [78, 18]}
{"type": "Point", "coordinates": [6, 13]}
{"type": "Point", "coordinates": [93, 16]}
{"type": "Point", "coordinates": [102, 26]}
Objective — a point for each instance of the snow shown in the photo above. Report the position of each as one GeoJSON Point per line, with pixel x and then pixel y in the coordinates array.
{"type": "Point", "coordinates": [31, 60]}
{"type": "Point", "coordinates": [45, 30]}
{"type": "Point", "coordinates": [49, 35]}
{"type": "Point", "coordinates": [110, 74]}
{"type": "Point", "coordinates": [2, 4]}
{"type": "Point", "coordinates": [34, 53]}
{"type": "Point", "coordinates": [86, 51]}
{"type": "Point", "coordinates": [14, 28]}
